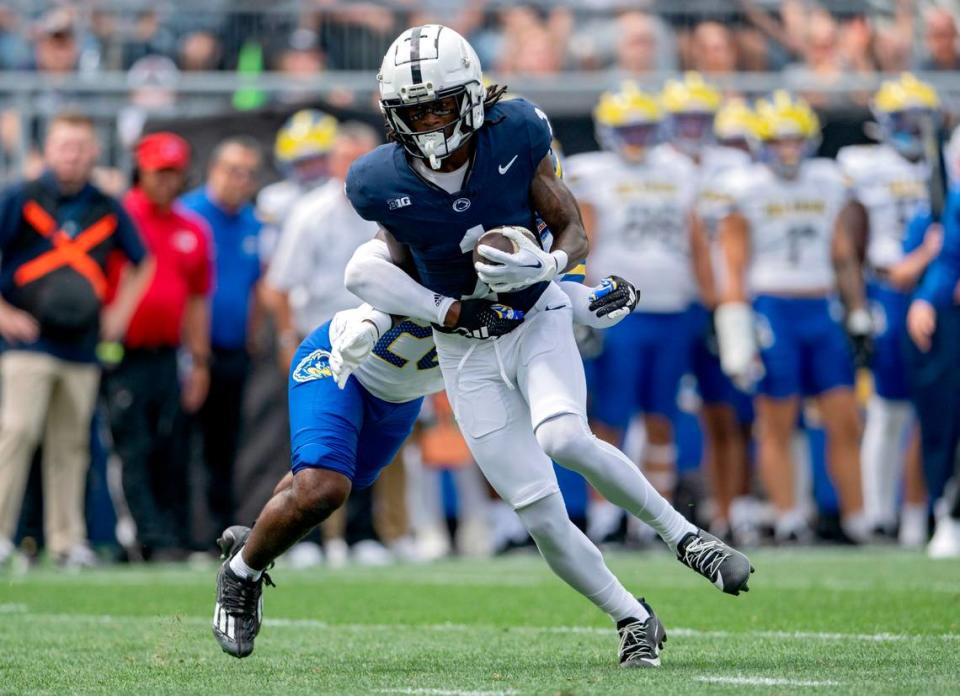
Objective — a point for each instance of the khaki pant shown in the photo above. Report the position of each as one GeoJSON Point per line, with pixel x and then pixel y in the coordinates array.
{"type": "Point", "coordinates": [42, 396]}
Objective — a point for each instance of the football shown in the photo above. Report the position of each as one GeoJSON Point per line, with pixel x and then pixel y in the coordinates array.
{"type": "Point", "coordinates": [496, 239]}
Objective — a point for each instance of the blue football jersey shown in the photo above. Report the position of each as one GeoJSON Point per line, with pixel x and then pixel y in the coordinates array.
{"type": "Point", "coordinates": [440, 228]}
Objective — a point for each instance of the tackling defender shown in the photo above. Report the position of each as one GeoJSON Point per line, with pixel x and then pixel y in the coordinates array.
{"type": "Point", "coordinates": [465, 162]}
{"type": "Point", "coordinates": [890, 182]}
{"type": "Point", "coordinates": [342, 438]}
{"type": "Point", "coordinates": [785, 248]}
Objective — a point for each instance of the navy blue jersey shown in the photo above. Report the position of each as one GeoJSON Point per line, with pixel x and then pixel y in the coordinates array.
{"type": "Point", "coordinates": [440, 228]}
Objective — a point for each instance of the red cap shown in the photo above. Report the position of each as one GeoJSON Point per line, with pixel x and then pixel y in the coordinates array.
{"type": "Point", "coordinates": [163, 151]}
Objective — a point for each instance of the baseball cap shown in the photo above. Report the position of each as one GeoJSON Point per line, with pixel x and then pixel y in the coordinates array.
{"type": "Point", "coordinates": [162, 151]}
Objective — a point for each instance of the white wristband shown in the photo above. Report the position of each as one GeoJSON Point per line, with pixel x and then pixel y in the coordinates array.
{"type": "Point", "coordinates": [859, 322]}
{"type": "Point", "coordinates": [443, 306]}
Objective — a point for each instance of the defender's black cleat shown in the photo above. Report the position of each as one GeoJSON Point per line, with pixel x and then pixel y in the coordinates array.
{"type": "Point", "coordinates": [239, 608]}
{"type": "Point", "coordinates": [724, 566]}
{"type": "Point", "coordinates": [641, 641]}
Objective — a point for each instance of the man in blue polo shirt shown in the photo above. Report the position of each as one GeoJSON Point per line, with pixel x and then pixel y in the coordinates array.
{"type": "Point", "coordinates": [225, 203]}
{"type": "Point", "coordinates": [933, 322]}
{"type": "Point", "coordinates": [57, 235]}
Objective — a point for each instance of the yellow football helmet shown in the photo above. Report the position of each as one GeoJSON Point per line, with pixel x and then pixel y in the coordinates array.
{"type": "Point", "coordinates": [786, 116]}
{"type": "Point", "coordinates": [628, 121]}
{"type": "Point", "coordinates": [308, 133]}
{"type": "Point", "coordinates": [691, 95]}
{"type": "Point", "coordinates": [736, 125]}
{"type": "Point", "coordinates": [904, 94]}
{"type": "Point", "coordinates": [691, 104]}
{"type": "Point", "coordinates": [903, 109]}
{"type": "Point", "coordinates": [787, 133]}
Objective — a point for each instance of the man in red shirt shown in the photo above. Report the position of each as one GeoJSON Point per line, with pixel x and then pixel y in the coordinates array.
{"type": "Point", "coordinates": [149, 389]}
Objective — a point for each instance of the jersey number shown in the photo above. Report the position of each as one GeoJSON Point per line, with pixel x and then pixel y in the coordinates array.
{"type": "Point", "coordinates": [795, 240]}
{"type": "Point", "coordinates": [384, 347]}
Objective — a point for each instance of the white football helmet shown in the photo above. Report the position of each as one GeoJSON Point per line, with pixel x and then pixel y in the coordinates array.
{"type": "Point", "coordinates": [427, 64]}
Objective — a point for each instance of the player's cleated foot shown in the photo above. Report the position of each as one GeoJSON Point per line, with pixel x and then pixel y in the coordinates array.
{"type": "Point", "coordinates": [724, 566]}
{"type": "Point", "coordinates": [641, 641]}
{"type": "Point", "coordinates": [239, 608]}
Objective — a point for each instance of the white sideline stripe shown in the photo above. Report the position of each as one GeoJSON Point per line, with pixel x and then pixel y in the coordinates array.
{"type": "Point", "coordinates": [14, 608]}
{"type": "Point", "coordinates": [445, 692]}
{"type": "Point", "coordinates": [765, 681]}
{"type": "Point", "coordinates": [452, 627]}
{"type": "Point", "coordinates": [412, 578]}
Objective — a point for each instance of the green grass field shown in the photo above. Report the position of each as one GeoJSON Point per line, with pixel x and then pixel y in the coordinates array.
{"type": "Point", "coordinates": [837, 621]}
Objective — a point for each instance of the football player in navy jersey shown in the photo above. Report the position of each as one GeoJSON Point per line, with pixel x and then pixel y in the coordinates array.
{"type": "Point", "coordinates": [463, 162]}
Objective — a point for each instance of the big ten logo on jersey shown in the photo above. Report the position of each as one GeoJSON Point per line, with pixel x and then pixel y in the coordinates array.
{"type": "Point", "coordinates": [408, 343]}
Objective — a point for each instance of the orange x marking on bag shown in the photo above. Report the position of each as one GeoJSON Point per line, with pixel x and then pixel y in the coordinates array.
{"type": "Point", "coordinates": [66, 251]}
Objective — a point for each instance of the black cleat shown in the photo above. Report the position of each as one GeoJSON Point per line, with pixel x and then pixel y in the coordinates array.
{"type": "Point", "coordinates": [641, 641]}
{"type": "Point", "coordinates": [239, 608]}
{"type": "Point", "coordinates": [724, 566]}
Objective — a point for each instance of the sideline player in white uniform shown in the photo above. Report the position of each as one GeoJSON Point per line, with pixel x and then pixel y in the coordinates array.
{"type": "Point", "coordinates": [636, 197]}
{"type": "Point", "coordinates": [300, 151]}
{"type": "Point", "coordinates": [889, 181]}
{"type": "Point", "coordinates": [320, 233]}
{"type": "Point", "coordinates": [715, 139]}
{"type": "Point", "coordinates": [786, 249]}
{"type": "Point", "coordinates": [463, 161]}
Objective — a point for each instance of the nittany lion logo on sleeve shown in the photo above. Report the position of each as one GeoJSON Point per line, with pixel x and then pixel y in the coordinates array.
{"type": "Point", "coordinates": [314, 366]}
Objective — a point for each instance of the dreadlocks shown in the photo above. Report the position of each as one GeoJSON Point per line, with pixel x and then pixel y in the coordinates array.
{"type": "Point", "coordinates": [494, 94]}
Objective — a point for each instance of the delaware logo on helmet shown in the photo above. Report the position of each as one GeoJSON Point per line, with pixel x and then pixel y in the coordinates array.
{"type": "Point", "coordinates": [314, 366]}
{"type": "Point", "coordinates": [461, 204]}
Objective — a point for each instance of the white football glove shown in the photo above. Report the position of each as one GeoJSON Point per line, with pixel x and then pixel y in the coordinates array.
{"type": "Point", "coordinates": [352, 338]}
{"type": "Point", "coordinates": [528, 265]}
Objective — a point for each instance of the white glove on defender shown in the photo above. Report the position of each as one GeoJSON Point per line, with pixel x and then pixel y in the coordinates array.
{"type": "Point", "coordinates": [528, 265]}
{"type": "Point", "coordinates": [353, 335]}
{"type": "Point", "coordinates": [739, 356]}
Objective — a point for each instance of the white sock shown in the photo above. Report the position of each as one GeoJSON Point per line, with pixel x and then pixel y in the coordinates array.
{"type": "Point", "coordinates": [240, 567]}
{"type": "Point", "coordinates": [857, 527]}
{"type": "Point", "coordinates": [576, 560]}
{"type": "Point", "coordinates": [913, 525]}
{"type": "Point", "coordinates": [567, 440]}
{"type": "Point", "coordinates": [881, 458]}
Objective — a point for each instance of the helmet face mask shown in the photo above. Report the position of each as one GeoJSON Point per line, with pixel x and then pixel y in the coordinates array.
{"type": "Point", "coordinates": [903, 131]}
{"type": "Point", "coordinates": [784, 155]}
{"type": "Point", "coordinates": [431, 92]}
{"type": "Point", "coordinates": [424, 140]}
{"type": "Point", "coordinates": [631, 141]}
{"type": "Point", "coordinates": [690, 132]}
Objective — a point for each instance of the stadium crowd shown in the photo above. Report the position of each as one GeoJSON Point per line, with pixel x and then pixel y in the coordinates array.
{"type": "Point", "coordinates": [181, 298]}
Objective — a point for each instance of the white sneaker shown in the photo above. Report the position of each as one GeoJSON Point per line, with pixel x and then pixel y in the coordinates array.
{"type": "Point", "coordinates": [371, 553]}
{"type": "Point", "coordinates": [6, 550]}
{"type": "Point", "coordinates": [913, 527]}
{"type": "Point", "coordinates": [405, 550]}
{"type": "Point", "coordinates": [306, 554]}
{"type": "Point", "coordinates": [79, 556]}
{"type": "Point", "coordinates": [337, 552]}
{"type": "Point", "coordinates": [946, 539]}
{"type": "Point", "coordinates": [744, 521]}
{"type": "Point", "coordinates": [473, 538]}
{"type": "Point", "coordinates": [433, 542]}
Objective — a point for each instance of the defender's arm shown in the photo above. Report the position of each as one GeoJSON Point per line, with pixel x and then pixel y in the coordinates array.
{"type": "Point", "coordinates": [375, 274]}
